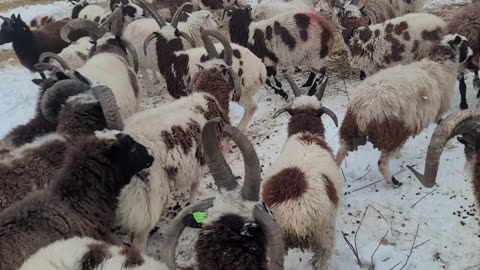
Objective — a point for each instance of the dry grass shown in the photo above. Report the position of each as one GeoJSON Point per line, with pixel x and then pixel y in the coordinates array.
{"type": "Point", "coordinates": [18, 3]}
{"type": "Point", "coordinates": [5, 56]}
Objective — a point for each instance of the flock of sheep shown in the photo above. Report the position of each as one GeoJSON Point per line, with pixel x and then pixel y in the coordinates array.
{"type": "Point", "coordinates": [90, 159]}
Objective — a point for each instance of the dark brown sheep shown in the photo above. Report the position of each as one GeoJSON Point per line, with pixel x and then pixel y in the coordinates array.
{"type": "Point", "coordinates": [80, 202]}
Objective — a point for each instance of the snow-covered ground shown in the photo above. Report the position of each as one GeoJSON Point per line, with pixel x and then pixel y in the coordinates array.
{"type": "Point", "coordinates": [448, 235]}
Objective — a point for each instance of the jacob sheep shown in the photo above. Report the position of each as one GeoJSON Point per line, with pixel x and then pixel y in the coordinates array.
{"type": "Point", "coordinates": [399, 102]}
{"type": "Point", "coordinates": [267, 10]}
{"type": "Point", "coordinates": [40, 21]}
{"type": "Point", "coordinates": [465, 124]}
{"type": "Point", "coordinates": [466, 22]}
{"type": "Point", "coordinates": [376, 11]}
{"type": "Point", "coordinates": [401, 40]}
{"type": "Point", "coordinates": [231, 237]}
{"type": "Point", "coordinates": [303, 38]}
{"type": "Point", "coordinates": [81, 200]}
{"type": "Point", "coordinates": [172, 131]}
{"type": "Point", "coordinates": [303, 186]}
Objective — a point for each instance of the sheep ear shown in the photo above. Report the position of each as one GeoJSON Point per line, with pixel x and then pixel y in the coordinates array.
{"type": "Point", "coordinates": [200, 67]}
{"type": "Point", "coordinates": [188, 14]}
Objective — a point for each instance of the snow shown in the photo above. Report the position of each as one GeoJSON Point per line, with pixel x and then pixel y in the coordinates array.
{"type": "Point", "coordinates": [448, 235]}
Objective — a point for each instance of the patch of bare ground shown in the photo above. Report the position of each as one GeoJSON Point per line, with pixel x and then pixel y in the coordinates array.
{"type": "Point", "coordinates": [446, 11]}
{"type": "Point", "coordinates": [8, 57]}
{"type": "Point", "coordinates": [18, 3]}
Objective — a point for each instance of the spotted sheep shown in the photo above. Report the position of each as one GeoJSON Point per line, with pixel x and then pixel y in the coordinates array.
{"type": "Point", "coordinates": [466, 22]}
{"type": "Point", "coordinates": [267, 10]}
{"type": "Point", "coordinates": [303, 186]}
{"type": "Point", "coordinates": [376, 11]}
{"type": "Point", "coordinates": [173, 131]}
{"type": "Point", "coordinates": [303, 38]}
{"type": "Point", "coordinates": [464, 124]}
{"type": "Point", "coordinates": [399, 102]}
{"type": "Point", "coordinates": [401, 40]}
{"type": "Point", "coordinates": [169, 39]}
{"type": "Point", "coordinates": [81, 200]}
{"type": "Point", "coordinates": [98, 14]}
{"type": "Point", "coordinates": [238, 233]}
{"type": "Point", "coordinates": [88, 252]}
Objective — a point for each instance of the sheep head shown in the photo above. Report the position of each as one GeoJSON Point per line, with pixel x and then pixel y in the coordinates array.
{"type": "Point", "coordinates": [255, 235]}
{"type": "Point", "coordinates": [12, 28]}
{"type": "Point", "coordinates": [350, 16]}
{"type": "Point", "coordinates": [459, 44]}
{"type": "Point", "coordinates": [308, 104]}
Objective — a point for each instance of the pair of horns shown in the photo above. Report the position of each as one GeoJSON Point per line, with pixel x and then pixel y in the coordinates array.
{"type": "Point", "coordinates": [224, 179]}
{"type": "Point", "coordinates": [462, 123]}
{"type": "Point", "coordinates": [230, 5]}
{"type": "Point", "coordinates": [75, 86]}
{"type": "Point", "coordinates": [160, 21]}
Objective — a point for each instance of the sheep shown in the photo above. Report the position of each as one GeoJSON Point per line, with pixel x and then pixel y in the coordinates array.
{"type": "Point", "coordinates": [98, 255]}
{"type": "Point", "coordinates": [231, 237]}
{"type": "Point", "coordinates": [32, 166]}
{"type": "Point", "coordinates": [401, 40]}
{"type": "Point", "coordinates": [77, 8]}
{"type": "Point", "coordinates": [172, 131]}
{"type": "Point", "coordinates": [399, 102]}
{"type": "Point", "coordinates": [306, 167]}
{"type": "Point", "coordinates": [403, 7]}
{"type": "Point", "coordinates": [28, 44]}
{"type": "Point", "coordinates": [80, 201]}
{"type": "Point", "coordinates": [130, 10]}
{"type": "Point", "coordinates": [466, 22]}
{"type": "Point", "coordinates": [464, 123]}
{"type": "Point", "coordinates": [302, 38]}
{"type": "Point", "coordinates": [264, 11]}
{"type": "Point", "coordinates": [40, 21]}
{"type": "Point", "coordinates": [167, 8]}
{"type": "Point", "coordinates": [376, 11]}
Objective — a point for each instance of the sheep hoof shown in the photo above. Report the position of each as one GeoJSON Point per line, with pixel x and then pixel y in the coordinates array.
{"type": "Point", "coordinates": [396, 183]}
{"type": "Point", "coordinates": [362, 75]}
{"type": "Point", "coordinates": [463, 105]}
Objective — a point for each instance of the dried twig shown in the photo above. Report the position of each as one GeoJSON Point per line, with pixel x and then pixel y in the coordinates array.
{"type": "Point", "coordinates": [395, 266]}
{"type": "Point", "coordinates": [355, 252]}
{"type": "Point", "coordinates": [375, 251]}
{"type": "Point", "coordinates": [346, 91]}
{"type": "Point", "coordinates": [411, 249]}
{"type": "Point", "coordinates": [421, 244]}
{"type": "Point", "coordinates": [472, 267]}
{"type": "Point", "coordinates": [344, 178]}
{"type": "Point", "coordinates": [362, 175]}
{"type": "Point", "coordinates": [366, 186]}
{"type": "Point", "coordinates": [423, 198]}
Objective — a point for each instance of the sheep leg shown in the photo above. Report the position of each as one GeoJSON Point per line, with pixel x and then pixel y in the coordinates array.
{"type": "Point", "coordinates": [384, 168]}
{"type": "Point", "coordinates": [324, 248]}
{"type": "Point", "coordinates": [341, 154]}
{"type": "Point", "coordinates": [463, 91]}
{"type": "Point", "coordinates": [139, 239]}
{"type": "Point", "coordinates": [250, 107]}
{"type": "Point", "coordinates": [310, 80]}
{"type": "Point", "coordinates": [155, 77]}
{"type": "Point", "coordinates": [476, 83]}
{"type": "Point", "coordinates": [278, 91]}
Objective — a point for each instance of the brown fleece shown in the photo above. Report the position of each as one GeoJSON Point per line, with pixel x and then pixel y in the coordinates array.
{"type": "Point", "coordinates": [288, 184]}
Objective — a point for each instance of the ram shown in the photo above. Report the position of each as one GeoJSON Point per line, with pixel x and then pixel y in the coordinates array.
{"type": "Point", "coordinates": [302, 38]}
{"type": "Point", "coordinates": [466, 124]}
{"type": "Point", "coordinates": [399, 102]}
{"type": "Point", "coordinates": [98, 255]}
{"type": "Point", "coordinates": [81, 200]}
{"type": "Point", "coordinates": [172, 131]}
{"type": "Point", "coordinates": [231, 237]}
{"type": "Point", "coordinates": [306, 213]}
{"type": "Point", "coordinates": [401, 40]}
{"type": "Point", "coordinates": [466, 22]}
{"type": "Point", "coordinates": [376, 11]}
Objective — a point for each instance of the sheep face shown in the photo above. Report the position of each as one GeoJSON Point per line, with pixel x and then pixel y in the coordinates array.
{"type": "Point", "coordinates": [460, 44]}
{"type": "Point", "coordinates": [234, 241]}
{"type": "Point", "coordinates": [13, 28]}
{"type": "Point", "coordinates": [203, 18]}
{"type": "Point", "coordinates": [349, 17]}
{"type": "Point", "coordinates": [129, 9]}
{"type": "Point", "coordinates": [471, 142]}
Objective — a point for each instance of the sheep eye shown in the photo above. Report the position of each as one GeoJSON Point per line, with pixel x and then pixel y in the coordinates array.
{"type": "Point", "coordinates": [133, 149]}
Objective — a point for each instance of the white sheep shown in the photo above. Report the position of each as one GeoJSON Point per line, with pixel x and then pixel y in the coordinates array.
{"type": "Point", "coordinates": [399, 102]}
{"type": "Point", "coordinates": [303, 186]}
{"type": "Point", "coordinates": [267, 10]}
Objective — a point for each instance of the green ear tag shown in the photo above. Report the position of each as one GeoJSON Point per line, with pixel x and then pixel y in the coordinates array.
{"type": "Point", "coordinates": [199, 216]}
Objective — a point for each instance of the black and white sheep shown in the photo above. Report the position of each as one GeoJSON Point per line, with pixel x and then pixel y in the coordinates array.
{"type": "Point", "coordinates": [401, 40]}
{"type": "Point", "coordinates": [267, 10]}
{"type": "Point", "coordinates": [399, 102]}
{"type": "Point", "coordinates": [303, 186]}
{"type": "Point", "coordinates": [303, 38]}
{"type": "Point", "coordinates": [98, 255]}
{"type": "Point", "coordinates": [32, 166]}
{"type": "Point", "coordinates": [231, 237]}
{"type": "Point", "coordinates": [466, 22]}
{"type": "Point", "coordinates": [28, 44]}
{"type": "Point", "coordinates": [172, 131]}
{"type": "Point", "coordinates": [81, 200]}
{"type": "Point", "coordinates": [376, 11]}
{"type": "Point", "coordinates": [466, 125]}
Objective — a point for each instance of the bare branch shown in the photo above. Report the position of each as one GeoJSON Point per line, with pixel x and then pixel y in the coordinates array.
{"type": "Point", "coordinates": [373, 254]}
{"type": "Point", "coordinates": [395, 266]}
{"type": "Point", "coordinates": [355, 252]}
{"type": "Point", "coordinates": [421, 244]}
{"type": "Point", "coordinates": [366, 186]}
{"type": "Point", "coordinates": [423, 198]}
{"type": "Point", "coordinates": [411, 249]}
{"type": "Point", "coordinates": [362, 175]}
{"type": "Point", "coordinates": [346, 91]}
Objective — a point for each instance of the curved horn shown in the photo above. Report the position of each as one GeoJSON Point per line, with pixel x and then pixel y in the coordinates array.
{"type": "Point", "coordinates": [296, 91]}
{"type": "Point", "coordinates": [150, 37]}
{"type": "Point", "coordinates": [45, 66]}
{"type": "Point", "coordinates": [188, 38]}
{"type": "Point", "coordinates": [47, 55]}
{"type": "Point", "coordinates": [133, 53]}
{"type": "Point", "coordinates": [282, 110]}
{"type": "Point", "coordinates": [115, 21]}
{"type": "Point", "coordinates": [160, 21]}
{"type": "Point", "coordinates": [91, 27]}
{"type": "Point", "coordinates": [451, 126]}
{"type": "Point", "coordinates": [209, 47]}
{"type": "Point", "coordinates": [221, 172]}
{"type": "Point", "coordinates": [176, 16]}
{"type": "Point", "coordinates": [251, 184]}
{"type": "Point", "coordinates": [110, 109]}
{"type": "Point", "coordinates": [54, 97]}
{"type": "Point", "coordinates": [227, 48]}
{"type": "Point", "coordinates": [237, 91]}
{"type": "Point", "coordinates": [321, 88]}
{"type": "Point", "coordinates": [175, 229]}
{"type": "Point", "coordinates": [192, 82]}
{"type": "Point", "coordinates": [275, 248]}
{"type": "Point", "coordinates": [331, 114]}
{"type": "Point", "coordinates": [370, 15]}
